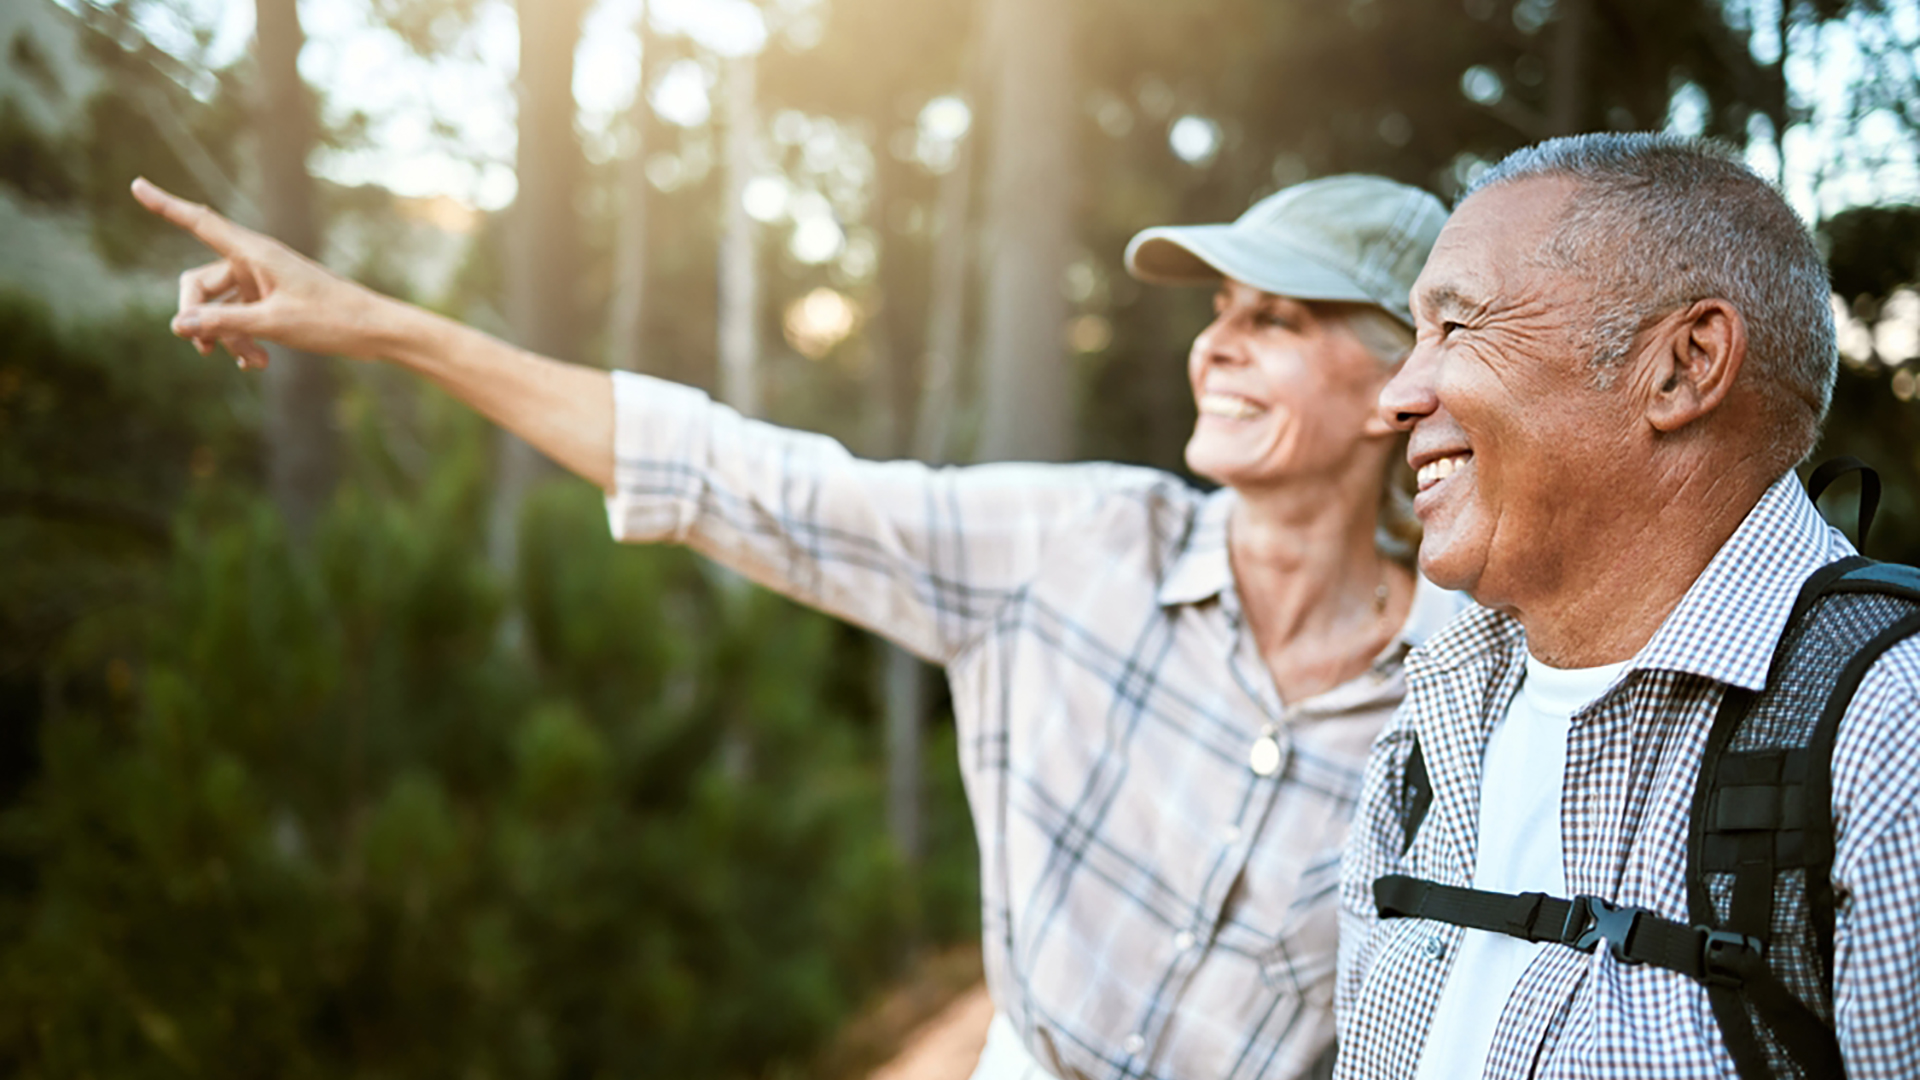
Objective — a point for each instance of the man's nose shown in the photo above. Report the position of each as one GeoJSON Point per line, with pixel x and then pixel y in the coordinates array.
{"type": "Point", "coordinates": [1410, 395]}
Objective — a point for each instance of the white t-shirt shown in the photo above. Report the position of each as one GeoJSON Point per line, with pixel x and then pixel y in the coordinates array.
{"type": "Point", "coordinates": [1519, 851]}
{"type": "Point", "coordinates": [1005, 1057]}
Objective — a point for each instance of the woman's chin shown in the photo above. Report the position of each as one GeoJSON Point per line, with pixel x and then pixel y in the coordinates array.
{"type": "Point", "coordinates": [1227, 470]}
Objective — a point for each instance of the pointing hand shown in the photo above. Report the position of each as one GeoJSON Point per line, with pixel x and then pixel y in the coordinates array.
{"type": "Point", "coordinates": [261, 289]}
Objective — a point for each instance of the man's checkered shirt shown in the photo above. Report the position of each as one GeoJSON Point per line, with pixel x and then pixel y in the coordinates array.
{"type": "Point", "coordinates": [1151, 906]}
{"type": "Point", "coordinates": [1632, 759]}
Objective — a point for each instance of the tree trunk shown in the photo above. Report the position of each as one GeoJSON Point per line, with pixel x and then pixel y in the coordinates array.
{"type": "Point", "coordinates": [1027, 385]}
{"type": "Point", "coordinates": [946, 309]}
{"type": "Point", "coordinates": [903, 676]}
{"type": "Point", "coordinates": [738, 330]}
{"type": "Point", "coordinates": [1567, 99]}
{"type": "Point", "coordinates": [626, 308]}
{"type": "Point", "coordinates": [543, 243]}
{"type": "Point", "coordinates": [1782, 114]}
{"type": "Point", "coordinates": [301, 441]}
{"type": "Point", "coordinates": [739, 302]}
{"type": "Point", "coordinates": [904, 689]}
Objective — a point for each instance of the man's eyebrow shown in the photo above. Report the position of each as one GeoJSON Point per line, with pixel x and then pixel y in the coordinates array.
{"type": "Point", "coordinates": [1441, 298]}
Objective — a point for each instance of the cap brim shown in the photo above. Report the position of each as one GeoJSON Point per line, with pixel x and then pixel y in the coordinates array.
{"type": "Point", "coordinates": [1202, 254]}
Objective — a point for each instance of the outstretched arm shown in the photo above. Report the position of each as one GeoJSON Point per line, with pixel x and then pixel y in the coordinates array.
{"type": "Point", "coordinates": [923, 556]}
{"type": "Point", "coordinates": [260, 289]}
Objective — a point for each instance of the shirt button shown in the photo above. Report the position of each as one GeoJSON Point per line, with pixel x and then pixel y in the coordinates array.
{"type": "Point", "coordinates": [1230, 834]}
{"type": "Point", "coordinates": [1264, 758]}
{"type": "Point", "coordinates": [1183, 940]}
{"type": "Point", "coordinates": [1435, 947]}
{"type": "Point", "coordinates": [1135, 1043]}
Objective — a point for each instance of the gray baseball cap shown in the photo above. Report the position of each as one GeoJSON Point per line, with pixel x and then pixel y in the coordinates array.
{"type": "Point", "coordinates": [1360, 239]}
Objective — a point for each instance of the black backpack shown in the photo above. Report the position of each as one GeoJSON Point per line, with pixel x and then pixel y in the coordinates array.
{"type": "Point", "coordinates": [1760, 846]}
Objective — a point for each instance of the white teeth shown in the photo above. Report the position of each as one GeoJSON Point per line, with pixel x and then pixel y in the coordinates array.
{"type": "Point", "coordinates": [1435, 471]}
{"type": "Point", "coordinates": [1232, 406]}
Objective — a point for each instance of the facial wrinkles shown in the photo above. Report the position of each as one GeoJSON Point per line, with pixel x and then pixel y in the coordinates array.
{"type": "Point", "coordinates": [1510, 386]}
{"type": "Point", "coordinates": [1517, 347]}
{"type": "Point", "coordinates": [1576, 446]}
{"type": "Point", "coordinates": [1510, 319]}
{"type": "Point", "coordinates": [1447, 303]}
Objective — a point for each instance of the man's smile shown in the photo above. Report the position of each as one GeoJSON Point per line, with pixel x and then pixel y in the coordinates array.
{"type": "Point", "coordinates": [1440, 468]}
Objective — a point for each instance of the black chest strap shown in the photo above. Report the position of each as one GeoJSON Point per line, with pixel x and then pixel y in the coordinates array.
{"type": "Point", "coordinates": [1720, 960]}
{"type": "Point", "coordinates": [1757, 814]}
{"type": "Point", "coordinates": [1634, 935]}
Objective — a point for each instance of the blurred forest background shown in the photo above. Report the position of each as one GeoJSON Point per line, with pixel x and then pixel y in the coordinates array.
{"type": "Point", "coordinates": [336, 739]}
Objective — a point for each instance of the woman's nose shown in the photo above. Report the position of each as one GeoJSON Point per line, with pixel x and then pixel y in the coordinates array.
{"type": "Point", "coordinates": [1218, 342]}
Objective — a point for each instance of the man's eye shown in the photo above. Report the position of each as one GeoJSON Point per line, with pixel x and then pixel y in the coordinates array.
{"type": "Point", "coordinates": [1447, 327]}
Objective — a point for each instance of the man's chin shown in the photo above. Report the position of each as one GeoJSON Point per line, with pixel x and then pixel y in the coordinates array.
{"type": "Point", "coordinates": [1444, 567]}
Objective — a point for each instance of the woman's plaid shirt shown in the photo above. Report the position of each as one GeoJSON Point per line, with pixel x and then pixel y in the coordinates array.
{"type": "Point", "coordinates": [1151, 906]}
{"type": "Point", "coordinates": [1632, 758]}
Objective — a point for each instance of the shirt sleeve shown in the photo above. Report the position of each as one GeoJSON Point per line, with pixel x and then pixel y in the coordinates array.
{"type": "Point", "coordinates": [923, 556]}
{"type": "Point", "coordinates": [1876, 871]}
{"type": "Point", "coordinates": [1373, 849]}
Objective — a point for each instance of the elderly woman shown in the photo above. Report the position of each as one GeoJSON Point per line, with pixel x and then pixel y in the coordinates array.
{"type": "Point", "coordinates": [1164, 696]}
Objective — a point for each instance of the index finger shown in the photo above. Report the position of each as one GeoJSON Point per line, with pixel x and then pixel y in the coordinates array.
{"type": "Point", "coordinates": [207, 226]}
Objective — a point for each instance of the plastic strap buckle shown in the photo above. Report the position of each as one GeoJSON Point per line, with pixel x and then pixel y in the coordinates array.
{"type": "Point", "coordinates": [1727, 958]}
{"type": "Point", "coordinates": [1590, 918]}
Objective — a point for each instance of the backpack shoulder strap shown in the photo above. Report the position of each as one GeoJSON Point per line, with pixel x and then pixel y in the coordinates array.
{"type": "Point", "coordinates": [1833, 469]}
{"type": "Point", "coordinates": [1890, 579]}
{"type": "Point", "coordinates": [1761, 812]}
{"type": "Point", "coordinates": [1416, 796]}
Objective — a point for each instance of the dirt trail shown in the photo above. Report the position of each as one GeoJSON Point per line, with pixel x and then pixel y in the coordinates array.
{"type": "Point", "coordinates": [946, 1047]}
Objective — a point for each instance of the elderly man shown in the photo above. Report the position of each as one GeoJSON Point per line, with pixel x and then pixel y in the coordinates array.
{"type": "Point", "coordinates": [1624, 347]}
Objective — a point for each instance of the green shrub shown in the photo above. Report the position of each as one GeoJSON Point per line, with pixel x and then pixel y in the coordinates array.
{"type": "Point", "coordinates": [325, 818]}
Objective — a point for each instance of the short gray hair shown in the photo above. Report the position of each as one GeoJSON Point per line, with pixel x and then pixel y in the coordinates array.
{"type": "Point", "coordinates": [1663, 221]}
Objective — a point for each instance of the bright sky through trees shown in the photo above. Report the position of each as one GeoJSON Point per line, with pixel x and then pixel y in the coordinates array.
{"type": "Point", "coordinates": [446, 126]}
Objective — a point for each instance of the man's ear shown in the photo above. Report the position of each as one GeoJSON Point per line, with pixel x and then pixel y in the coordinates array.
{"type": "Point", "coordinates": [1693, 363]}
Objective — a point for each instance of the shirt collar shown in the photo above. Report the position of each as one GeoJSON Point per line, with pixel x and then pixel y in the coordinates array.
{"type": "Point", "coordinates": [1728, 622]}
{"type": "Point", "coordinates": [1200, 569]}
{"type": "Point", "coordinates": [1726, 626]}
{"type": "Point", "coordinates": [1433, 608]}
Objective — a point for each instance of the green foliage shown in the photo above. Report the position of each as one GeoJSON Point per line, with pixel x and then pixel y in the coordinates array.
{"type": "Point", "coordinates": [138, 122]}
{"type": "Point", "coordinates": [330, 819]}
{"type": "Point", "coordinates": [1869, 422]}
{"type": "Point", "coordinates": [119, 142]}
{"type": "Point", "coordinates": [1872, 253]}
{"type": "Point", "coordinates": [105, 428]}
{"type": "Point", "coordinates": [32, 163]}
{"type": "Point", "coordinates": [338, 830]}
{"type": "Point", "coordinates": [1873, 250]}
